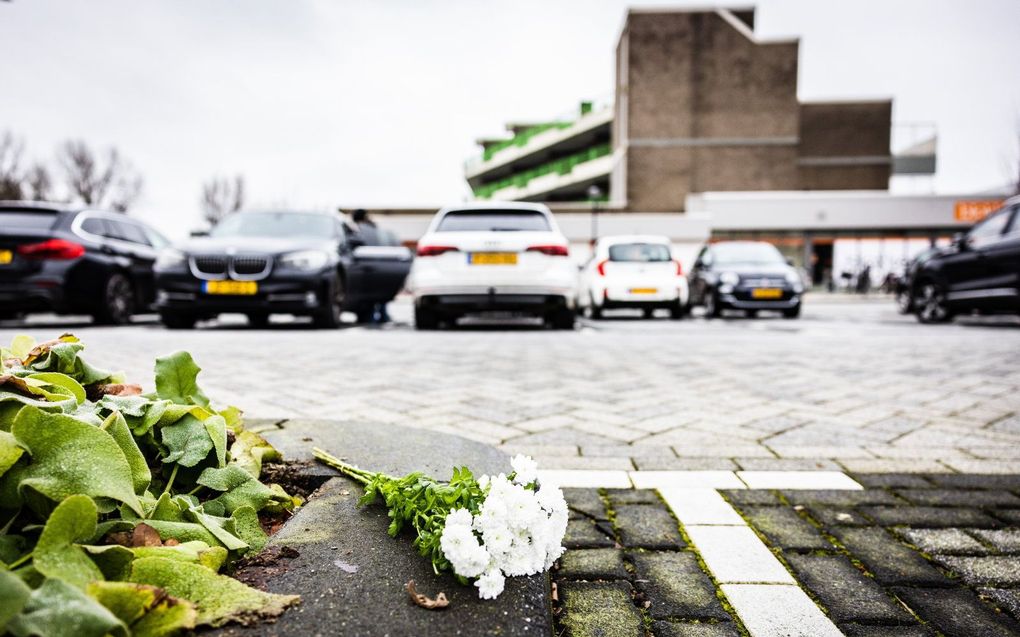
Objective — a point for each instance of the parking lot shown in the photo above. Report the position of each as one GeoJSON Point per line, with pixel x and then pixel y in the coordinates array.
{"type": "Point", "coordinates": [851, 385]}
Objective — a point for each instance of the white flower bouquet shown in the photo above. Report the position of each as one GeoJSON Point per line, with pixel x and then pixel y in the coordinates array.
{"type": "Point", "coordinates": [486, 529]}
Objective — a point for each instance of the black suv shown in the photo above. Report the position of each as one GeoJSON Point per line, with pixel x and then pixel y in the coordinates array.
{"type": "Point", "coordinates": [979, 273]}
{"type": "Point", "coordinates": [262, 263]}
{"type": "Point", "coordinates": [74, 260]}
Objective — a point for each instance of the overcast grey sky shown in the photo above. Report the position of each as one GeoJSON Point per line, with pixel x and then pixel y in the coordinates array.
{"type": "Point", "coordinates": [322, 102]}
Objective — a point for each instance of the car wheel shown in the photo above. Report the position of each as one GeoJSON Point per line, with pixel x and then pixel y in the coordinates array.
{"type": "Point", "coordinates": [118, 303]}
{"type": "Point", "coordinates": [679, 311]}
{"type": "Point", "coordinates": [712, 309]}
{"type": "Point", "coordinates": [904, 301]}
{"type": "Point", "coordinates": [425, 319]}
{"type": "Point", "coordinates": [793, 312]}
{"type": "Point", "coordinates": [258, 320]}
{"type": "Point", "coordinates": [931, 305]}
{"type": "Point", "coordinates": [365, 315]}
{"type": "Point", "coordinates": [561, 319]}
{"type": "Point", "coordinates": [178, 321]}
{"type": "Point", "coordinates": [330, 316]}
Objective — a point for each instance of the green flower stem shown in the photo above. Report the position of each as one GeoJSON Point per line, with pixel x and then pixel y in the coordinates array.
{"type": "Point", "coordinates": [362, 476]}
{"type": "Point", "coordinates": [170, 482]}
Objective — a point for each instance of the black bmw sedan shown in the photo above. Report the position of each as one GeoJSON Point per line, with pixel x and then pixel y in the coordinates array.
{"type": "Point", "coordinates": [263, 263]}
{"type": "Point", "coordinates": [745, 275]}
{"type": "Point", "coordinates": [70, 259]}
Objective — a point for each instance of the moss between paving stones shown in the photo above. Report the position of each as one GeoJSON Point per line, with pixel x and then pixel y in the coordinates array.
{"type": "Point", "coordinates": [642, 526]}
{"type": "Point", "coordinates": [784, 528]}
{"type": "Point", "coordinates": [995, 570]}
{"type": "Point", "coordinates": [947, 541]}
{"type": "Point", "coordinates": [583, 533]}
{"type": "Point", "coordinates": [593, 564]}
{"type": "Point", "coordinates": [600, 610]}
{"type": "Point", "coordinates": [586, 502]}
{"type": "Point", "coordinates": [675, 586]}
{"type": "Point", "coordinates": [693, 629]}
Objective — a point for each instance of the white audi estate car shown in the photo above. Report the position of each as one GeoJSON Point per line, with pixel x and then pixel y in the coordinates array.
{"type": "Point", "coordinates": [633, 271]}
{"type": "Point", "coordinates": [493, 257]}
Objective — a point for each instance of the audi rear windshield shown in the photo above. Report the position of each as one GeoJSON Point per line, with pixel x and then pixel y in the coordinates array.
{"type": "Point", "coordinates": [15, 219]}
{"type": "Point", "coordinates": [493, 221]}
{"type": "Point", "coordinates": [283, 225]}
{"type": "Point", "coordinates": [640, 252]}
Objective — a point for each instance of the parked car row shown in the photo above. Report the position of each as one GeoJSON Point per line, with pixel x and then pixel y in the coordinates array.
{"type": "Point", "coordinates": [75, 260]}
{"type": "Point", "coordinates": [979, 272]}
{"type": "Point", "coordinates": [512, 257]}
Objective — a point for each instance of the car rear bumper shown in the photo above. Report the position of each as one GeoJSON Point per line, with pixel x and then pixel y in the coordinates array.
{"type": "Point", "coordinates": [534, 302]}
{"type": "Point", "coordinates": [32, 295]}
{"type": "Point", "coordinates": [180, 293]}
{"type": "Point", "coordinates": [740, 302]}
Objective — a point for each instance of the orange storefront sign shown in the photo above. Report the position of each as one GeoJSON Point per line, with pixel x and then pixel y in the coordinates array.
{"type": "Point", "coordinates": [972, 211]}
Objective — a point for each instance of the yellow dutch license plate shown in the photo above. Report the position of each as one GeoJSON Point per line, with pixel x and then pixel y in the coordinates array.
{"type": "Point", "coordinates": [6, 256]}
{"type": "Point", "coordinates": [766, 293]}
{"type": "Point", "coordinates": [644, 290]}
{"type": "Point", "coordinates": [238, 288]}
{"type": "Point", "coordinates": [492, 258]}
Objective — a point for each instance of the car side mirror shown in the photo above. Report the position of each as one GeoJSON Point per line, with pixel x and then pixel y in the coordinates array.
{"type": "Point", "coordinates": [199, 233]}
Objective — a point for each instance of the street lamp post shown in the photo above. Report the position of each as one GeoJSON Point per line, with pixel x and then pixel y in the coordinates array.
{"type": "Point", "coordinates": [594, 194]}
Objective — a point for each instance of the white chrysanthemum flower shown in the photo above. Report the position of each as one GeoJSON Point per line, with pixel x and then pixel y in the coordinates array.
{"type": "Point", "coordinates": [459, 517]}
{"type": "Point", "coordinates": [461, 547]}
{"type": "Point", "coordinates": [490, 585]}
{"type": "Point", "coordinates": [498, 540]}
{"type": "Point", "coordinates": [483, 482]}
{"type": "Point", "coordinates": [525, 468]}
{"type": "Point", "coordinates": [522, 508]}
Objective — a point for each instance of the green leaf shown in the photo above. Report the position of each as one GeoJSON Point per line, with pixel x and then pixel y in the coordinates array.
{"type": "Point", "coordinates": [68, 457]}
{"type": "Point", "coordinates": [64, 381]}
{"type": "Point", "coordinates": [217, 526]}
{"type": "Point", "coordinates": [113, 560]}
{"type": "Point", "coordinates": [21, 345]}
{"type": "Point", "coordinates": [128, 405]}
{"type": "Point", "coordinates": [176, 380]}
{"type": "Point", "coordinates": [12, 548]}
{"type": "Point", "coordinates": [116, 426]}
{"type": "Point", "coordinates": [250, 450]}
{"type": "Point", "coordinates": [57, 553]}
{"type": "Point", "coordinates": [14, 594]}
{"type": "Point", "coordinates": [147, 610]}
{"type": "Point", "coordinates": [216, 427]}
{"type": "Point", "coordinates": [167, 508]}
{"type": "Point", "coordinates": [183, 531]}
{"type": "Point", "coordinates": [187, 441]}
{"type": "Point", "coordinates": [62, 357]}
{"type": "Point", "coordinates": [233, 416]}
{"type": "Point", "coordinates": [247, 527]}
{"type": "Point", "coordinates": [240, 489]}
{"type": "Point", "coordinates": [219, 599]}
{"type": "Point", "coordinates": [57, 609]}
{"type": "Point", "coordinates": [9, 451]}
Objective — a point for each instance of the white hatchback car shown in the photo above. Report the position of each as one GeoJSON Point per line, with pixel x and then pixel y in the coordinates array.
{"type": "Point", "coordinates": [633, 271]}
{"type": "Point", "coordinates": [493, 257]}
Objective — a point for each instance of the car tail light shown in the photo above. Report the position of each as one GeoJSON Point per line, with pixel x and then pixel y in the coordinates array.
{"type": "Point", "coordinates": [56, 249]}
{"type": "Point", "coordinates": [435, 251]}
{"type": "Point", "coordinates": [679, 269]}
{"type": "Point", "coordinates": [551, 250]}
{"type": "Point", "coordinates": [601, 268]}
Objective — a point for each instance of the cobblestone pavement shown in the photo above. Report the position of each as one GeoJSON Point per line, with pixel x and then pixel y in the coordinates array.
{"type": "Point", "coordinates": [910, 554]}
{"type": "Point", "coordinates": [851, 386]}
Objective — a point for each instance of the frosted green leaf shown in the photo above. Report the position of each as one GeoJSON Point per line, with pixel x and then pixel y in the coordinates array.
{"type": "Point", "coordinates": [146, 610]}
{"type": "Point", "coordinates": [57, 553]}
{"type": "Point", "coordinates": [57, 609]}
{"type": "Point", "coordinates": [176, 380]}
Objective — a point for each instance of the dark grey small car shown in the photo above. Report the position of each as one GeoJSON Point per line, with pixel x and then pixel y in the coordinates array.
{"type": "Point", "coordinates": [263, 263]}
{"type": "Point", "coordinates": [745, 275]}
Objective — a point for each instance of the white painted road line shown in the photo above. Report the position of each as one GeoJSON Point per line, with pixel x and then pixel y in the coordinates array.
{"type": "Point", "coordinates": [798, 480]}
{"type": "Point", "coordinates": [700, 506]}
{"type": "Point", "coordinates": [686, 479]}
{"type": "Point", "coordinates": [735, 555]}
{"type": "Point", "coordinates": [778, 611]}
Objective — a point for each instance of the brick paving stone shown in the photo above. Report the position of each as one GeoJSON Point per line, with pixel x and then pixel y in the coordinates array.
{"type": "Point", "coordinates": [599, 610]}
{"type": "Point", "coordinates": [838, 516]}
{"type": "Point", "coordinates": [784, 528]}
{"type": "Point", "coordinates": [891, 562]}
{"type": "Point", "coordinates": [885, 465]}
{"type": "Point", "coordinates": [973, 481]}
{"type": "Point", "coordinates": [845, 592]}
{"type": "Point", "coordinates": [1006, 540]}
{"type": "Point", "coordinates": [957, 612]}
{"type": "Point", "coordinates": [842, 498]}
{"type": "Point", "coordinates": [1007, 600]}
{"type": "Point", "coordinates": [750, 496]}
{"type": "Point", "coordinates": [587, 502]}
{"type": "Point", "coordinates": [859, 630]}
{"type": "Point", "coordinates": [959, 497]}
{"type": "Point", "coordinates": [685, 464]}
{"type": "Point", "coordinates": [1009, 516]}
{"type": "Point", "coordinates": [633, 496]}
{"type": "Point", "coordinates": [676, 586]}
{"type": "Point", "coordinates": [649, 527]}
{"type": "Point", "coordinates": [930, 517]}
{"type": "Point", "coordinates": [996, 570]}
{"type": "Point", "coordinates": [902, 480]}
{"type": "Point", "coordinates": [943, 541]}
{"type": "Point", "coordinates": [698, 629]}
{"type": "Point", "coordinates": [592, 564]}
{"type": "Point", "coordinates": [786, 464]}
{"type": "Point", "coordinates": [583, 533]}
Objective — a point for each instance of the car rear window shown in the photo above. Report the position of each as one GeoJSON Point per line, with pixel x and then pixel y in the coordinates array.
{"type": "Point", "coordinates": [493, 221]}
{"type": "Point", "coordinates": [639, 252]}
{"type": "Point", "coordinates": [26, 220]}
